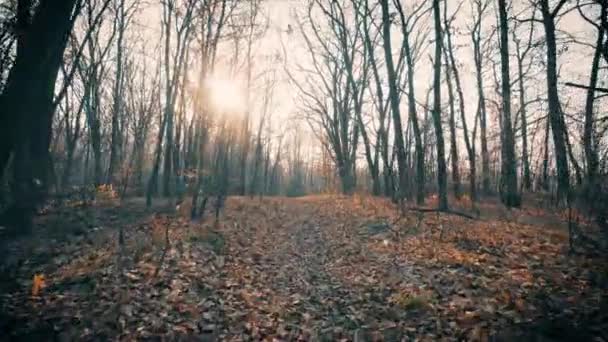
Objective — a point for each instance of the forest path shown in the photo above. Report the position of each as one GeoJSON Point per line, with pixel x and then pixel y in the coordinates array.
{"type": "Point", "coordinates": [317, 268]}
{"type": "Point", "coordinates": [290, 259]}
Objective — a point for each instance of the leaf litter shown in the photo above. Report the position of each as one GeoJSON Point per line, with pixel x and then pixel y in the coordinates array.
{"type": "Point", "coordinates": [322, 268]}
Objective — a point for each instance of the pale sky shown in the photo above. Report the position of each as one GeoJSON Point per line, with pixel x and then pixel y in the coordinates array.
{"type": "Point", "coordinates": [574, 63]}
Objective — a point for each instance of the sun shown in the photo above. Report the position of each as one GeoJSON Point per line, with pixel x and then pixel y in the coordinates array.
{"type": "Point", "coordinates": [225, 95]}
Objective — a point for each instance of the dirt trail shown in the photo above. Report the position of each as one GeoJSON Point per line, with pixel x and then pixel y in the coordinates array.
{"type": "Point", "coordinates": [319, 268]}
{"type": "Point", "coordinates": [287, 260]}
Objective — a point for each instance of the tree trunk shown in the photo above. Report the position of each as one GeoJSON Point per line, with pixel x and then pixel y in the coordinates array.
{"type": "Point", "coordinates": [168, 161]}
{"type": "Point", "coordinates": [382, 140]}
{"type": "Point", "coordinates": [524, 127]}
{"type": "Point", "coordinates": [555, 115]}
{"type": "Point", "coordinates": [394, 99]}
{"type": "Point", "coordinates": [452, 124]}
{"type": "Point", "coordinates": [588, 133]}
{"type": "Point", "coordinates": [441, 167]}
{"type": "Point", "coordinates": [545, 177]}
{"type": "Point", "coordinates": [478, 57]}
{"type": "Point", "coordinates": [26, 104]}
{"type": "Point", "coordinates": [117, 96]}
{"type": "Point", "coordinates": [469, 146]}
{"type": "Point", "coordinates": [508, 184]}
{"type": "Point", "coordinates": [153, 180]}
{"type": "Point", "coordinates": [71, 140]}
{"type": "Point", "coordinates": [346, 178]}
{"type": "Point", "coordinates": [413, 116]}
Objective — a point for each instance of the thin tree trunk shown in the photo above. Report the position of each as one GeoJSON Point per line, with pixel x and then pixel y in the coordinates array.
{"type": "Point", "coordinates": [117, 96]}
{"type": "Point", "coordinates": [168, 161]}
{"type": "Point", "coordinates": [153, 181]}
{"type": "Point", "coordinates": [382, 140]}
{"type": "Point", "coordinates": [588, 133]}
{"type": "Point", "coordinates": [478, 57]}
{"type": "Point", "coordinates": [555, 114]}
{"type": "Point", "coordinates": [412, 112]}
{"type": "Point", "coordinates": [452, 124]}
{"type": "Point", "coordinates": [524, 127]}
{"type": "Point", "coordinates": [469, 146]}
{"type": "Point", "coordinates": [394, 98]}
{"type": "Point", "coordinates": [441, 167]}
{"type": "Point", "coordinates": [545, 179]}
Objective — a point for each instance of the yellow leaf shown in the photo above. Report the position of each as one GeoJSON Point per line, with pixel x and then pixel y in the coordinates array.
{"type": "Point", "coordinates": [37, 284]}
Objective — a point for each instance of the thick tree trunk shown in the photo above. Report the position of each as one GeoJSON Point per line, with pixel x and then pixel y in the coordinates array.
{"type": "Point", "coordinates": [508, 183]}
{"type": "Point", "coordinates": [346, 178]}
{"type": "Point", "coordinates": [26, 104]}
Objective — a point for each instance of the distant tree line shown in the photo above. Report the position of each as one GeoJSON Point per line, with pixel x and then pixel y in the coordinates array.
{"type": "Point", "coordinates": [406, 98]}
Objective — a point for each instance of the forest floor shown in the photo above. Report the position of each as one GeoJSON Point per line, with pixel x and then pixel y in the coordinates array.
{"type": "Point", "coordinates": [319, 268]}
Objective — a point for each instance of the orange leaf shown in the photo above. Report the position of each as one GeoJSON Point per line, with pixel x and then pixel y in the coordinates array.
{"type": "Point", "coordinates": [37, 284]}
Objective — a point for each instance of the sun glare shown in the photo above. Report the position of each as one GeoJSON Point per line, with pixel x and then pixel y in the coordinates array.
{"type": "Point", "coordinates": [225, 95]}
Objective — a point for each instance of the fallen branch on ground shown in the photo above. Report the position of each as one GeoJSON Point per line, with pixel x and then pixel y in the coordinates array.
{"type": "Point", "coordinates": [448, 211]}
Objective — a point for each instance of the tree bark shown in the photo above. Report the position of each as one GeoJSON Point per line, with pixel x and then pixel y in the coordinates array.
{"type": "Point", "coordinates": [117, 95]}
{"type": "Point", "coordinates": [452, 125]}
{"type": "Point", "coordinates": [412, 112]}
{"type": "Point", "coordinates": [524, 127]}
{"type": "Point", "coordinates": [26, 104]}
{"type": "Point", "coordinates": [555, 114]}
{"type": "Point", "coordinates": [441, 167]}
{"type": "Point", "coordinates": [508, 183]}
{"type": "Point", "coordinates": [588, 133]}
{"type": "Point", "coordinates": [168, 160]}
{"type": "Point", "coordinates": [469, 146]}
{"type": "Point", "coordinates": [478, 57]}
{"type": "Point", "coordinates": [394, 98]}
{"type": "Point", "coordinates": [382, 137]}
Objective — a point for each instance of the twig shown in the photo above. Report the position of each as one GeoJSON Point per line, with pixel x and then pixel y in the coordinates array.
{"type": "Point", "coordinates": [581, 86]}
{"type": "Point", "coordinates": [448, 211]}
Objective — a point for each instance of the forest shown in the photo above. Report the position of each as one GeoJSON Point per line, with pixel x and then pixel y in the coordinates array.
{"type": "Point", "coordinates": [304, 170]}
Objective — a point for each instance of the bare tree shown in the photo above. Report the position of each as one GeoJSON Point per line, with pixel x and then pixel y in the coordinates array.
{"type": "Point", "coordinates": [208, 37]}
{"type": "Point", "coordinates": [380, 104]}
{"type": "Point", "coordinates": [124, 14]}
{"type": "Point", "coordinates": [556, 117]}
{"type": "Point", "coordinates": [441, 167]}
{"type": "Point", "coordinates": [326, 94]}
{"type": "Point", "coordinates": [589, 135]}
{"type": "Point", "coordinates": [450, 62]}
{"type": "Point", "coordinates": [479, 9]}
{"type": "Point", "coordinates": [394, 99]}
{"type": "Point", "coordinates": [410, 47]}
{"type": "Point", "coordinates": [508, 183]}
{"type": "Point", "coordinates": [521, 54]}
